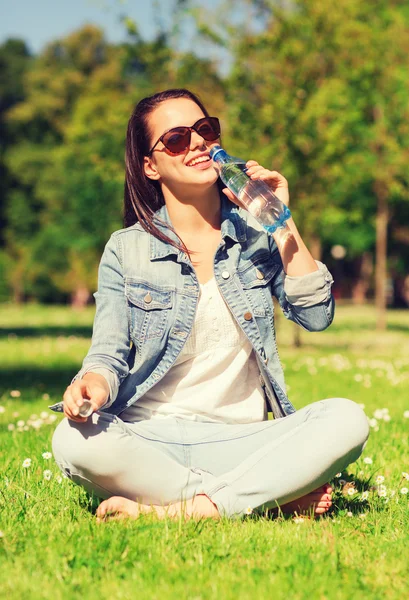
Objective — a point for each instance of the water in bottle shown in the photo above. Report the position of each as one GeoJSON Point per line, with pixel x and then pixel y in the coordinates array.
{"type": "Point", "coordinates": [255, 194]}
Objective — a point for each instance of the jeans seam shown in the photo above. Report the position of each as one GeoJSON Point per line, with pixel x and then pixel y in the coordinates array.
{"type": "Point", "coordinates": [216, 488]}
{"type": "Point", "coordinates": [229, 439]}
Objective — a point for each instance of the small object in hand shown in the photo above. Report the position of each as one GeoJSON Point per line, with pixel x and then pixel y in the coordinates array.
{"type": "Point", "coordinates": [85, 409]}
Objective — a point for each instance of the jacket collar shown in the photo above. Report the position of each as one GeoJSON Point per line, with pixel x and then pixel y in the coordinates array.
{"type": "Point", "coordinates": [233, 225]}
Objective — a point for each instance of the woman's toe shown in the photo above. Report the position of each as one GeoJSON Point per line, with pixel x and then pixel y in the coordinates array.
{"type": "Point", "coordinates": [102, 509]}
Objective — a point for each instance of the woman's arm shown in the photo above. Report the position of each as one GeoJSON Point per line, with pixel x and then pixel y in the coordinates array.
{"type": "Point", "coordinates": [110, 345]}
{"type": "Point", "coordinates": [302, 285]}
{"type": "Point", "coordinates": [296, 258]}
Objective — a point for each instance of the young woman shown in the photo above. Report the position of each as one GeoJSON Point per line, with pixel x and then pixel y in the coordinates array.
{"type": "Point", "coordinates": [183, 367]}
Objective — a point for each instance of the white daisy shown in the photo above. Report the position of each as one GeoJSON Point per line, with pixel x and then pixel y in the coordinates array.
{"type": "Point", "coordinates": [406, 414]}
{"type": "Point", "coordinates": [380, 479]}
{"type": "Point", "coordinates": [44, 414]}
{"type": "Point", "coordinates": [404, 491]}
{"type": "Point", "coordinates": [249, 510]}
{"type": "Point", "coordinates": [351, 491]}
{"type": "Point", "coordinates": [11, 426]}
{"type": "Point", "coordinates": [364, 495]}
{"type": "Point", "coordinates": [20, 423]}
{"type": "Point", "coordinates": [405, 475]}
{"type": "Point", "coordinates": [368, 460]}
{"type": "Point", "coordinates": [58, 479]}
{"type": "Point", "coordinates": [382, 493]}
{"type": "Point", "coordinates": [350, 514]}
{"type": "Point", "coordinates": [15, 393]}
{"type": "Point", "coordinates": [2, 409]}
{"type": "Point", "coordinates": [47, 474]}
{"type": "Point", "coordinates": [27, 463]}
{"type": "Point", "coordinates": [298, 519]}
{"type": "Point", "coordinates": [338, 475]}
{"type": "Point", "coordinates": [46, 455]}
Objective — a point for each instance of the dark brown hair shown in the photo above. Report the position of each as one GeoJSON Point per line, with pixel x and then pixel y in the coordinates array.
{"type": "Point", "coordinates": [143, 196]}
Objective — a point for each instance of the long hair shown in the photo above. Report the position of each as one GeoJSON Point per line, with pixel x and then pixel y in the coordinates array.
{"type": "Point", "coordinates": [143, 196]}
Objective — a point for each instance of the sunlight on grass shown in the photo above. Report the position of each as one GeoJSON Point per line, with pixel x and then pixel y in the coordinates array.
{"type": "Point", "coordinates": [51, 546]}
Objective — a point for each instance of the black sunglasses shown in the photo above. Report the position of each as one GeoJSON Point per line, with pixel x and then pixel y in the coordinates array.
{"type": "Point", "coordinates": [177, 139]}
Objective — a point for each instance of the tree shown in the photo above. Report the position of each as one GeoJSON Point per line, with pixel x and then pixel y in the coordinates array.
{"type": "Point", "coordinates": [321, 93]}
{"type": "Point", "coordinates": [68, 154]}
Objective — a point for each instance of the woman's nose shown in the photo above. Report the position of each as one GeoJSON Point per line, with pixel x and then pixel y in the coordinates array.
{"type": "Point", "coordinates": [196, 141]}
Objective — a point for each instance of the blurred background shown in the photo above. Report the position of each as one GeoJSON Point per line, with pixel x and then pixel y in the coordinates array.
{"type": "Point", "coordinates": [316, 90]}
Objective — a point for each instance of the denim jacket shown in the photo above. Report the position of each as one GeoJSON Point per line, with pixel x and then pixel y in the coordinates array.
{"type": "Point", "coordinates": [148, 293]}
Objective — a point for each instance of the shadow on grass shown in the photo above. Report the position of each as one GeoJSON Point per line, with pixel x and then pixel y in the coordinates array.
{"type": "Point", "coordinates": [357, 327]}
{"type": "Point", "coordinates": [35, 381]}
{"type": "Point", "coordinates": [48, 330]}
{"type": "Point", "coordinates": [341, 504]}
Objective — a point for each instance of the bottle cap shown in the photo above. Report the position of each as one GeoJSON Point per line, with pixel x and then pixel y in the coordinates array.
{"type": "Point", "coordinates": [215, 150]}
{"type": "Point", "coordinates": [86, 409]}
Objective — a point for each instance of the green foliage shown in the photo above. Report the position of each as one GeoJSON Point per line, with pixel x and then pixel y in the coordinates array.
{"type": "Point", "coordinates": [321, 94]}
{"type": "Point", "coordinates": [317, 91]}
{"type": "Point", "coordinates": [66, 162]}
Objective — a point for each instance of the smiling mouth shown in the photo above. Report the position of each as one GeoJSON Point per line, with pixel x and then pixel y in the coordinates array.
{"type": "Point", "coordinates": [198, 160]}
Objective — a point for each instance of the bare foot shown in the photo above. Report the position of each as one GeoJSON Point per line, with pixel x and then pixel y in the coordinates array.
{"type": "Point", "coordinates": [319, 500]}
{"type": "Point", "coordinates": [118, 508]}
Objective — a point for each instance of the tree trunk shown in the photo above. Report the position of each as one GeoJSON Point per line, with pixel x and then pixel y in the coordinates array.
{"type": "Point", "coordinates": [80, 297]}
{"type": "Point", "coordinates": [297, 335]}
{"type": "Point", "coordinates": [382, 218]}
{"type": "Point", "coordinates": [361, 286]}
{"type": "Point", "coordinates": [315, 247]}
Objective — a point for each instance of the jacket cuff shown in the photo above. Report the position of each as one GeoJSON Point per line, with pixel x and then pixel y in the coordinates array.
{"type": "Point", "coordinates": [311, 289]}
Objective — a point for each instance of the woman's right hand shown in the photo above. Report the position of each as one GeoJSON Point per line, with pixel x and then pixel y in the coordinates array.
{"type": "Point", "coordinates": [92, 387]}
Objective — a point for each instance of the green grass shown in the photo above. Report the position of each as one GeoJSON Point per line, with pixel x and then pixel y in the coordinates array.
{"type": "Point", "coordinates": [51, 546]}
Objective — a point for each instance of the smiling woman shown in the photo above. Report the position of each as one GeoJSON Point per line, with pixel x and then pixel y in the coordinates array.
{"type": "Point", "coordinates": [183, 368]}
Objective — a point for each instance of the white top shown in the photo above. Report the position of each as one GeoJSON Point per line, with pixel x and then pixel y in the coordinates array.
{"type": "Point", "coordinates": [215, 378]}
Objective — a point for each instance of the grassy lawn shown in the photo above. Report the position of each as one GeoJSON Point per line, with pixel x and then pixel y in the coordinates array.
{"type": "Point", "coordinates": [51, 546]}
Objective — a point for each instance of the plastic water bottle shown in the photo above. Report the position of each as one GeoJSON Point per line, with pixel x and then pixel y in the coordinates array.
{"type": "Point", "coordinates": [255, 194]}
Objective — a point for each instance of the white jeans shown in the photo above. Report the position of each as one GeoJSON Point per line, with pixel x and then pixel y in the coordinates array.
{"type": "Point", "coordinates": [256, 465]}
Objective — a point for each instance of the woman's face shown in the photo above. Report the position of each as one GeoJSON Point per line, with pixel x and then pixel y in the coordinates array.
{"type": "Point", "coordinates": [179, 170]}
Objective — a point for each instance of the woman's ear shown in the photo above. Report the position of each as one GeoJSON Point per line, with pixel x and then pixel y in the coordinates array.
{"type": "Point", "coordinates": [149, 168]}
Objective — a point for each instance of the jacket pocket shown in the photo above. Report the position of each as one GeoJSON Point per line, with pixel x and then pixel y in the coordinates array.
{"type": "Point", "coordinates": [255, 278]}
{"type": "Point", "coordinates": [149, 309]}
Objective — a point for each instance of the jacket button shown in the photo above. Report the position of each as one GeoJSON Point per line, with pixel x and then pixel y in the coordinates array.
{"type": "Point", "coordinates": [259, 274]}
{"type": "Point", "coordinates": [148, 298]}
{"type": "Point", "coordinates": [248, 316]}
{"type": "Point", "coordinates": [225, 274]}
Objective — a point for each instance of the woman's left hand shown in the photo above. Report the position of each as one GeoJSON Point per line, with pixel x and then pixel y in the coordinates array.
{"type": "Point", "coordinates": [276, 181]}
